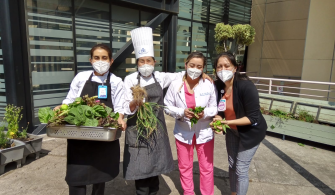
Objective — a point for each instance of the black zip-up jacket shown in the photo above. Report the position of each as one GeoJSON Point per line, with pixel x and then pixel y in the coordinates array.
{"type": "Point", "coordinates": [246, 103]}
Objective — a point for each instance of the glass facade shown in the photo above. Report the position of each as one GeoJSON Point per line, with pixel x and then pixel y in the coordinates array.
{"type": "Point", "coordinates": [2, 84]}
{"type": "Point", "coordinates": [61, 34]}
{"type": "Point", "coordinates": [196, 23]}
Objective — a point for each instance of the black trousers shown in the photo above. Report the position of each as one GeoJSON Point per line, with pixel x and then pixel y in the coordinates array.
{"type": "Point", "coordinates": [147, 186]}
{"type": "Point", "coordinates": [98, 189]}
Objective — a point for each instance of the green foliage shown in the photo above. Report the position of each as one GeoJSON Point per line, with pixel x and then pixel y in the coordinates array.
{"type": "Point", "coordinates": [84, 111]}
{"type": "Point", "coordinates": [243, 34]}
{"type": "Point", "coordinates": [223, 32]}
{"type": "Point", "coordinates": [196, 111]}
{"type": "Point", "coordinates": [147, 122]}
{"type": "Point", "coordinates": [4, 141]}
{"type": "Point", "coordinates": [218, 123]}
{"type": "Point", "coordinates": [304, 115]}
{"type": "Point", "coordinates": [45, 114]}
{"type": "Point", "coordinates": [13, 117]}
{"type": "Point", "coordinates": [281, 114]}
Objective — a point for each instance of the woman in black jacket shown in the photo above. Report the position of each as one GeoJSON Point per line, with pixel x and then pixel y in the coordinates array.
{"type": "Point", "coordinates": [238, 103]}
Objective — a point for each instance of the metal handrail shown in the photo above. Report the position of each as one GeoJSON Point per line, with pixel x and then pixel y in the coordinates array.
{"type": "Point", "coordinates": [271, 80]}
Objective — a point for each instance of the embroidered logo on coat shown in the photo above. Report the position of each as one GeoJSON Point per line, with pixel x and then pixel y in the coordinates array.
{"type": "Point", "coordinates": [204, 94]}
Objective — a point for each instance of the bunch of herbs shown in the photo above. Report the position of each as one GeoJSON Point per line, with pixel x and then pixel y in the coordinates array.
{"type": "Point", "coordinates": [147, 122]}
{"type": "Point", "coordinates": [196, 111]}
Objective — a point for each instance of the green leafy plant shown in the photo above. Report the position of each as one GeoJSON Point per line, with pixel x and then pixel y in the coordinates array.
{"type": "Point", "coordinates": [196, 111]}
{"type": "Point", "coordinates": [240, 35]}
{"type": "Point", "coordinates": [218, 123]}
{"type": "Point", "coordinates": [304, 115]}
{"type": "Point", "coordinates": [301, 144]}
{"type": "Point", "coordinates": [4, 141]}
{"type": "Point", "coordinates": [13, 117]}
{"type": "Point", "coordinates": [85, 111]}
{"type": "Point", "coordinates": [223, 33]}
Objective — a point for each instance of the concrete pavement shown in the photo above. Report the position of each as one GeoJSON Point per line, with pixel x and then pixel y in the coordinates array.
{"type": "Point", "coordinates": [279, 168]}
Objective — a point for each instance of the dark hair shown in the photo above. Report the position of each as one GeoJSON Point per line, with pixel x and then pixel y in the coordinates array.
{"type": "Point", "coordinates": [104, 47]}
{"type": "Point", "coordinates": [139, 58]}
{"type": "Point", "coordinates": [196, 55]}
{"type": "Point", "coordinates": [231, 58]}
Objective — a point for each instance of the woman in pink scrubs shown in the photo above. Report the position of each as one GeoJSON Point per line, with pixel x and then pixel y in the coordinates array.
{"type": "Point", "coordinates": [183, 94]}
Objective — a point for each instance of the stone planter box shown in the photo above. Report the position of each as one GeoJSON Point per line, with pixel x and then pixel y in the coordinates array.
{"type": "Point", "coordinates": [309, 131]}
{"type": "Point", "coordinates": [32, 147]}
{"type": "Point", "coordinates": [14, 154]}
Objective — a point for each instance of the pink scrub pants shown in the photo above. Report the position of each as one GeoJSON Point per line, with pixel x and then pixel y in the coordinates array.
{"type": "Point", "coordinates": [185, 162]}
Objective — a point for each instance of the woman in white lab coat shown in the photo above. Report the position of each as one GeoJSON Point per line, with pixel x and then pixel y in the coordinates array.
{"type": "Point", "coordinates": [191, 92]}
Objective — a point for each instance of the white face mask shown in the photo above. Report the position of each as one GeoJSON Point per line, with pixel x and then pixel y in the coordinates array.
{"type": "Point", "coordinates": [146, 69]}
{"type": "Point", "coordinates": [193, 73]}
{"type": "Point", "coordinates": [225, 75]}
{"type": "Point", "coordinates": [101, 67]}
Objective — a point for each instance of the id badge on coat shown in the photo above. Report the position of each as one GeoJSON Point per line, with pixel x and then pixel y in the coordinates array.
{"type": "Point", "coordinates": [102, 92]}
{"type": "Point", "coordinates": [222, 105]}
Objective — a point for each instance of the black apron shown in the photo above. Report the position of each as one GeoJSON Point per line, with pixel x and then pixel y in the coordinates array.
{"type": "Point", "coordinates": [90, 162]}
{"type": "Point", "coordinates": [141, 159]}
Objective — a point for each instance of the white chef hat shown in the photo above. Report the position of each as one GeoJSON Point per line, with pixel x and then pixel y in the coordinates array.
{"type": "Point", "coordinates": [142, 42]}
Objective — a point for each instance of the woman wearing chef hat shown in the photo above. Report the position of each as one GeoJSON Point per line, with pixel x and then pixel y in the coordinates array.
{"type": "Point", "coordinates": [142, 162]}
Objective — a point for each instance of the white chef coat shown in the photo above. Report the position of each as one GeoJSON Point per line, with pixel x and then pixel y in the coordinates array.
{"type": "Point", "coordinates": [205, 96]}
{"type": "Point", "coordinates": [117, 88]}
{"type": "Point", "coordinates": [163, 78]}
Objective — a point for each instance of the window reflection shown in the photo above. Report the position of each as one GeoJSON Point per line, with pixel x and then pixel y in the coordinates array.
{"type": "Point", "coordinates": [51, 51]}
{"type": "Point", "coordinates": [92, 27]}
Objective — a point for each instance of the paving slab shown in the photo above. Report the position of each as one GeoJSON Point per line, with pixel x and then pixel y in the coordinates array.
{"type": "Point", "coordinates": [279, 167]}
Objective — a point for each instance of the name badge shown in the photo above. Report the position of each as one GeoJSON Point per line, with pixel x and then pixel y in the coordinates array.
{"type": "Point", "coordinates": [102, 92]}
{"type": "Point", "coordinates": [222, 105]}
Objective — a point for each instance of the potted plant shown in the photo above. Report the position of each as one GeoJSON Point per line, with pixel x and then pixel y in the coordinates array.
{"type": "Point", "coordinates": [301, 125]}
{"type": "Point", "coordinates": [233, 38]}
{"type": "Point", "coordinates": [10, 150]}
{"type": "Point", "coordinates": [33, 143]}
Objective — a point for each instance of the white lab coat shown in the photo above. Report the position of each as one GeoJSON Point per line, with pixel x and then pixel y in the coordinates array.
{"type": "Point", "coordinates": [205, 96]}
{"type": "Point", "coordinates": [163, 78]}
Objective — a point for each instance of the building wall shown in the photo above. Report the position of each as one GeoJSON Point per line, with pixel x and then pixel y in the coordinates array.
{"type": "Point", "coordinates": [278, 50]}
{"type": "Point", "coordinates": [318, 64]}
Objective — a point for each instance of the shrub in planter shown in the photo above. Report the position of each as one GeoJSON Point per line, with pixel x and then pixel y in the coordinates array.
{"type": "Point", "coordinates": [33, 143]}
{"type": "Point", "coordinates": [10, 151]}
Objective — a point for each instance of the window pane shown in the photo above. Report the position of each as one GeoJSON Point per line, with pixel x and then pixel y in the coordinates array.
{"type": "Point", "coordinates": [51, 51]}
{"type": "Point", "coordinates": [123, 21]}
{"type": "Point", "coordinates": [92, 27]}
{"type": "Point", "coordinates": [211, 49]}
{"type": "Point", "coordinates": [2, 84]}
{"type": "Point", "coordinates": [185, 9]}
{"type": "Point", "coordinates": [199, 42]}
{"type": "Point", "coordinates": [240, 12]}
{"type": "Point", "coordinates": [200, 10]}
{"type": "Point", "coordinates": [183, 43]}
{"type": "Point", "coordinates": [216, 11]}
